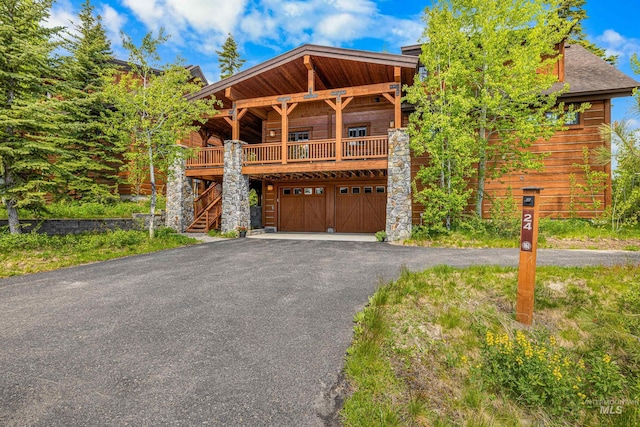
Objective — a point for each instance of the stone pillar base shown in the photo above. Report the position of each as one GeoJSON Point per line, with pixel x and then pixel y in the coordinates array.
{"type": "Point", "coordinates": [235, 189]}
{"type": "Point", "coordinates": [399, 205]}
{"type": "Point", "coordinates": [179, 213]}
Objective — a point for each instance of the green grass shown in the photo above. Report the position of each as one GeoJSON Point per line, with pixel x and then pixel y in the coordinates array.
{"type": "Point", "coordinates": [553, 233]}
{"type": "Point", "coordinates": [32, 253]}
{"type": "Point", "coordinates": [422, 355]}
{"type": "Point", "coordinates": [228, 235]}
{"type": "Point", "coordinates": [78, 210]}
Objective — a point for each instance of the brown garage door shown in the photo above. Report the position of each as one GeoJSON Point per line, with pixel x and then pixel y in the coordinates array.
{"type": "Point", "coordinates": [303, 209]}
{"type": "Point", "coordinates": [360, 208]}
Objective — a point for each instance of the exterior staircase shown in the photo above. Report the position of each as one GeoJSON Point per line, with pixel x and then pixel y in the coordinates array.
{"type": "Point", "coordinates": [208, 210]}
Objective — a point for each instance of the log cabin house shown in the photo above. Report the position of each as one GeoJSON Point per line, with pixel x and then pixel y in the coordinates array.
{"type": "Point", "coordinates": [319, 132]}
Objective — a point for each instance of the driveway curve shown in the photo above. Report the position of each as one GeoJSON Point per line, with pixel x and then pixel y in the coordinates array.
{"type": "Point", "coordinates": [245, 332]}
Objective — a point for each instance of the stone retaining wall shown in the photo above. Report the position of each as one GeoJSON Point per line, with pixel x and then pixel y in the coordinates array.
{"type": "Point", "coordinates": [77, 226]}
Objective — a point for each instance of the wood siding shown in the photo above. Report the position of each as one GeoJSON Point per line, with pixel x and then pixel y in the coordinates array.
{"type": "Point", "coordinates": [320, 119]}
{"type": "Point", "coordinates": [565, 154]}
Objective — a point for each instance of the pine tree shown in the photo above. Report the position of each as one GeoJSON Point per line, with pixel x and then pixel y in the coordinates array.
{"type": "Point", "coordinates": [93, 163]}
{"type": "Point", "coordinates": [29, 115]}
{"type": "Point", "coordinates": [229, 58]}
{"type": "Point", "coordinates": [573, 11]}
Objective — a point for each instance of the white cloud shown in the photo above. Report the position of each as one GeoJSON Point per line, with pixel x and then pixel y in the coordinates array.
{"type": "Point", "coordinates": [332, 22]}
{"type": "Point", "coordinates": [62, 15]}
{"type": "Point", "coordinates": [113, 23]}
{"type": "Point", "coordinates": [617, 44]}
{"type": "Point", "coordinates": [278, 24]}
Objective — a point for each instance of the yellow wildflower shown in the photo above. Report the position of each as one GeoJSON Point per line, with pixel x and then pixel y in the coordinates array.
{"type": "Point", "coordinates": [557, 373]}
{"type": "Point", "coordinates": [606, 358]}
{"type": "Point", "coordinates": [552, 340]}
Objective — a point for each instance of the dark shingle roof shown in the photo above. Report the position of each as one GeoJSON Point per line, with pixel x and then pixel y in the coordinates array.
{"type": "Point", "coordinates": [588, 74]}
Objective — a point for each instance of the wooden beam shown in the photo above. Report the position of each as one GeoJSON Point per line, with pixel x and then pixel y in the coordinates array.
{"type": "Point", "coordinates": [201, 172]}
{"type": "Point", "coordinates": [397, 74]}
{"type": "Point", "coordinates": [389, 98]}
{"type": "Point", "coordinates": [222, 114]}
{"type": "Point", "coordinates": [310, 73]}
{"type": "Point", "coordinates": [316, 167]}
{"type": "Point", "coordinates": [322, 95]}
{"type": "Point", "coordinates": [233, 94]}
{"type": "Point", "coordinates": [284, 112]}
{"type": "Point", "coordinates": [331, 104]}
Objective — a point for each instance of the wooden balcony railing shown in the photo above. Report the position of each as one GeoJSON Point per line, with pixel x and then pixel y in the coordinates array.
{"type": "Point", "coordinates": [316, 151]}
{"type": "Point", "coordinates": [207, 157]}
{"type": "Point", "coordinates": [262, 154]}
{"type": "Point", "coordinates": [366, 148]}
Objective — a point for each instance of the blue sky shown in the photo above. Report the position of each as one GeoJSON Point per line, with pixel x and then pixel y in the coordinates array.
{"type": "Point", "coordinates": [266, 28]}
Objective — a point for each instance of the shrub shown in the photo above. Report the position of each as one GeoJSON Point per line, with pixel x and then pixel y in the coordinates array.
{"type": "Point", "coordinates": [541, 373]}
{"type": "Point", "coordinates": [381, 236]}
{"type": "Point", "coordinates": [505, 215]}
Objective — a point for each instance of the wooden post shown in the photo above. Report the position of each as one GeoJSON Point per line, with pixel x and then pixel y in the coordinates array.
{"type": "Point", "coordinates": [528, 252]}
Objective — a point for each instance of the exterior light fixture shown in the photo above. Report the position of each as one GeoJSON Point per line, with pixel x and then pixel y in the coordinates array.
{"type": "Point", "coordinates": [270, 186]}
{"type": "Point", "coordinates": [272, 133]}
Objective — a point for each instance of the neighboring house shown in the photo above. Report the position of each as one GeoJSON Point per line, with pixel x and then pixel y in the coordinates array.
{"type": "Point", "coordinates": [124, 188]}
{"type": "Point", "coordinates": [319, 133]}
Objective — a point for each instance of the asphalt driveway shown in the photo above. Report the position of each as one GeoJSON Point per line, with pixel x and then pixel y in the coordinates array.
{"type": "Point", "coordinates": [244, 332]}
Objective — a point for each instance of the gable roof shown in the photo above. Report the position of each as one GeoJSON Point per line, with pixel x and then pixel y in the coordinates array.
{"type": "Point", "coordinates": [194, 70]}
{"type": "Point", "coordinates": [334, 67]}
{"type": "Point", "coordinates": [588, 74]}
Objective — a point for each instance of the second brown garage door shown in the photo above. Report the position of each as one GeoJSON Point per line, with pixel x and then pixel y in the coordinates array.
{"type": "Point", "coordinates": [360, 208]}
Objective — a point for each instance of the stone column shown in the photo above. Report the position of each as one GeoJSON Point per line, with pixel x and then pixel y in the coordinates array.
{"type": "Point", "coordinates": [399, 186]}
{"type": "Point", "coordinates": [235, 189]}
{"type": "Point", "coordinates": [179, 198]}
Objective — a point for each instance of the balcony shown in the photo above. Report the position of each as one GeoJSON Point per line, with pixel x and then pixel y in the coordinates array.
{"type": "Point", "coordinates": [300, 156]}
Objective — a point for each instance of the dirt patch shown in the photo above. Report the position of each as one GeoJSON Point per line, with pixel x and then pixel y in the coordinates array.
{"type": "Point", "coordinates": [600, 243]}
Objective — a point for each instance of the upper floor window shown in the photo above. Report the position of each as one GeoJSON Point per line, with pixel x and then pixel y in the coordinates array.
{"type": "Point", "coordinates": [422, 72]}
{"type": "Point", "coordinates": [299, 136]}
{"type": "Point", "coordinates": [357, 132]}
{"type": "Point", "coordinates": [570, 119]}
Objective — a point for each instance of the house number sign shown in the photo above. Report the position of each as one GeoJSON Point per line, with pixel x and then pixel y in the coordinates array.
{"type": "Point", "coordinates": [526, 234]}
{"type": "Point", "coordinates": [528, 248]}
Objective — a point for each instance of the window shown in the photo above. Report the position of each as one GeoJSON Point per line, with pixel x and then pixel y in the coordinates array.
{"type": "Point", "coordinates": [355, 190]}
{"type": "Point", "coordinates": [422, 72]}
{"type": "Point", "coordinates": [308, 191]}
{"type": "Point", "coordinates": [570, 119]}
{"type": "Point", "coordinates": [297, 191]}
{"type": "Point", "coordinates": [357, 132]}
{"type": "Point", "coordinates": [319, 190]}
{"type": "Point", "coordinates": [380, 189]}
{"type": "Point", "coordinates": [344, 190]}
{"type": "Point", "coordinates": [302, 135]}
{"type": "Point", "coordinates": [368, 190]}
{"type": "Point", "coordinates": [286, 191]}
